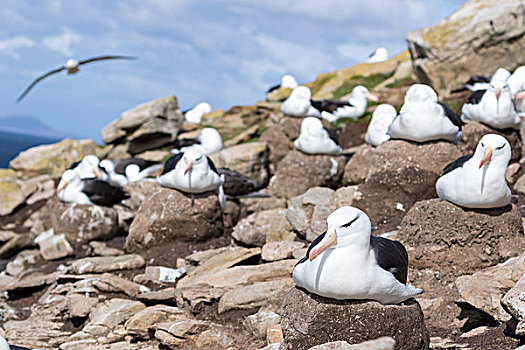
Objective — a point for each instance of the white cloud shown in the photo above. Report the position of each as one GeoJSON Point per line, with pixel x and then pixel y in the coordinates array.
{"type": "Point", "coordinates": [61, 43]}
{"type": "Point", "coordinates": [10, 45]}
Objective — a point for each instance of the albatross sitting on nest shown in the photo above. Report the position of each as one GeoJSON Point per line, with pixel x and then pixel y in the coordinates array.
{"type": "Point", "coordinates": [346, 262]}
{"type": "Point", "coordinates": [478, 180]}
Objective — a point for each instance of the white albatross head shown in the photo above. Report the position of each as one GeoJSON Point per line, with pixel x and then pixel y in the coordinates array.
{"type": "Point", "coordinates": [493, 149]}
{"type": "Point", "coordinates": [346, 226]}
{"type": "Point", "coordinates": [301, 92]}
{"type": "Point", "coordinates": [420, 93]}
{"type": "Point", "coordinates": [361, 92]}
{"type": "Point", "coordinates": [311, 126]}
{"type": "Point", "coordinates": [288, 81]}
{"type": "Point", "coordinates": [195, 161]}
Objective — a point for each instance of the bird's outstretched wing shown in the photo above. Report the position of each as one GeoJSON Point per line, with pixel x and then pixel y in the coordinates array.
{"type": "Point", "coordinates": [101, 58]}
{"type": "Point", "coordinates": [37, 80]}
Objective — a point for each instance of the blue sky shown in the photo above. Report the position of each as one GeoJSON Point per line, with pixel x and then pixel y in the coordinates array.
{"type": "Point", "coordinates": [223, 52]}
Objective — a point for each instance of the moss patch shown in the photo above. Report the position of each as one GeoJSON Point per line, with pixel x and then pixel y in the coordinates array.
{"type": "Point", "coordinates": [400, 82]}
{"type": "Point", "coordinates": [318, 83]}
{"type": "Point", "coordinates": [369, 82]}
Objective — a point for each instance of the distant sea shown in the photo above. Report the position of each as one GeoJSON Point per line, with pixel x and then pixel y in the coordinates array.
{"type": "Point", "coordinates": [13, 143]}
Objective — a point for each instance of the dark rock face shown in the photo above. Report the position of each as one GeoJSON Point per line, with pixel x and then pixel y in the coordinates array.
{"type": "Point", "coordinates": [400, 174]}
{"type": "Point", "coordinates": [80, 223]}
{"type": "Point", "coordinates": [357, 167]}
{"type": "Point", "coordinates": [298, 172]}
{"type": "Point", "coordinates": [474, 131]}
{"type": "Point", "coordinates": [280, 138]}
{"type": "Point", "coordinates": [168, 216]}
{"type": "Point", "coordinates": [456, 241]}
{"type": "Point", "coordinates": [309, 320]}
{"type": "Point", "coordinates": [148, 126]}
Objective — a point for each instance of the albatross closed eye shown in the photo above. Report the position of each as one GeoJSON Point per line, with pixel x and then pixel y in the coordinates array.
{"type": "Point", "coordinates": [500, 147]}
{"type": "Point", "coordinates": [351, 222]}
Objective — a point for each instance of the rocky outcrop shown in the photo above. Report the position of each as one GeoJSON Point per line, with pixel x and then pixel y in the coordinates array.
{"type": "Point", "coordinates": [480, 37]}
{"type": "Point", "coordinates": [279, 138]}
{"type": "Point", "coordinates": [485, 288]}
{"type": "Point", "coordinates": [298, 172]}
{"type": "Point", "coordinates": [307, 213]}
{"type": "Point", "coordinates": [400, 174]}
{"type": "Point", "coordinates": [474, 131]}
{"type": "Point", "coordinates": [357, 167]}
{"type": "Point", "coordinates": [52, 159]}
{"type": "Point", "coordinates": [455, 241]}
{"type": "Point", "coordinates": [308, 320]}
{"type": "Point", "coordinates": [252, 230]}
{"type": "Point", "coordinates": [250, 159]}
{"type": "Point", "coordinates": [168, 217]}
{"type": "Point", "coordinates": [81, 223]}
{"type": "Point", "coordinates": [11, 195]}
{"type": "Point", "coordinates": [148, 126]}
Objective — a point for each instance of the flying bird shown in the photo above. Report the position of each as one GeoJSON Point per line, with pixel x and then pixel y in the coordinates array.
{"type": "Point", "coordinates": [72, 67]}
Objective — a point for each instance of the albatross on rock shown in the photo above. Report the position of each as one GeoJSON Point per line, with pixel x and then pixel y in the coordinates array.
{"type": "Point", "coordinates": [209, 141]}
{"type": "Point", "coordinates": [493, 106]}
{"type": "Point", "coordinates": [377, 131]}
{"type": "Point", "coordinates": [72, 67]}
{"type": "Point", "coordinates": [478, 180]}
{"type": "Point", "coordinates": [88, 191]}
{"type": "Point", "coordinates": [422, 118]}
{"type": "Point", "coordinates": [346, 262]}
{"type": "Point", "coordinates": [316, 139]}
{"type": "Point", "coordinates": [354, 108]}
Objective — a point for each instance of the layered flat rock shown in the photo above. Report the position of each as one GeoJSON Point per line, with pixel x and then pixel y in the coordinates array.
{"type": "Point", "coordinates": [485, 288]}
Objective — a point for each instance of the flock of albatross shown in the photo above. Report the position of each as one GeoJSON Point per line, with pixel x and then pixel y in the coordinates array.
{"type": "Point", "coordinates": [346, 261]}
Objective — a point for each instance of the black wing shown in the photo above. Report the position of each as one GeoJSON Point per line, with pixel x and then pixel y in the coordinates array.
{"type": "Point", "coordinates": [475, 97]}
{"type": "Point", "coordinates": [212, 166]}
{"type": "Point", "coordinates": [16, 347]}
{"type": "Point", "coordinates": [391, 256]}
{"type": "Point", "coordinates": [477, 79]}
{"type": "Point", "coordinates": [102, 193]}
{"type": "Point", "coordinates": [54, 71]}
{"type": "Point", "coordinates": [101, 58]}
{"type": "Point", "coordinates": [332, 134]}
{"type": "Point", "coordinates": [329, 105]}
{"type": "Point", "coordinates": [236, 184]}
{"type": "Point", "coordinates": [458, 163]}
{"type": "Point", "coordinates": [453, 116]}
{"type": "Point", "coordinates": [74, 164]}
{"type": "Point", "coordinates": [121, 164]}
{"type": "Point", "coordinates": [171, 163]}
{"type": "Point", "coordinates": [314, 243]}
{"type": "Point", "coordinates": [273, 88]}
{"type": "Point", "coordinates": [179, 143]}
{"type": "Point", "coordinates": [372, 54]}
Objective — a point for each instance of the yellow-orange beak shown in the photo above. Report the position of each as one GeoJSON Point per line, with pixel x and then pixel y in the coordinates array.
{"type": "Point", "coordinates": [498, 92]}
{"type": "Point", "coordinates": [61, 188]}
{"type": "Point", "coordinates": [189, 167]}
{"type": "Point", "coordinates": [372, 97]}
{"type": "Point", "coordinates": [96, 170]}
{"type": "Point", "coordinates": [486, 157]}
{"type": "Point", "coordinates": [329, 240]}
{"type": "Point", "coordinates": [520, 95]}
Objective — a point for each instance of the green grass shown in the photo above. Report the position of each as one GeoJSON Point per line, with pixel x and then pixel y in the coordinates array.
{"type": "Point", "coordinates": [318, 84]}
{"type": "Point", "coordinates": [400, 82]}
{"type": "Point", "coordinates": [369, 82]}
